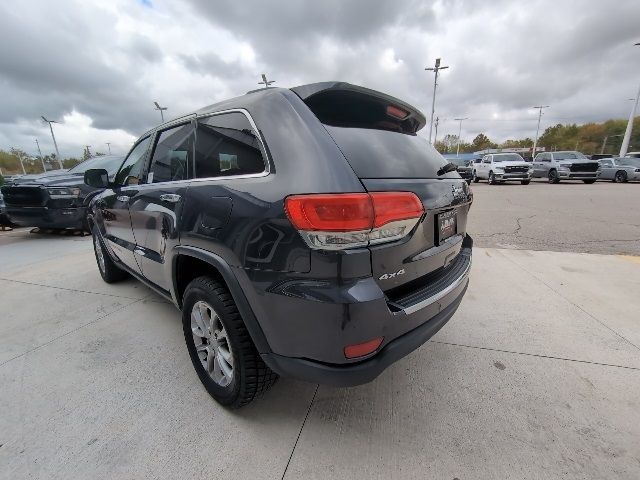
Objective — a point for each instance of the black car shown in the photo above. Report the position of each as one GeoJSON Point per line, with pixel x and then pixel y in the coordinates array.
{"type": "Point", "coordinates": [307, 232]}
{"type": "Point", "coordinates": [464, 168]}
{"type": "Point", "coordinates": [55, 200]}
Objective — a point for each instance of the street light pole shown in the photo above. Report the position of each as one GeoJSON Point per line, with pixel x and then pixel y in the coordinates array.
{"type": "Point", "coordinates": [535, 142]}
{"type": "Point", "coordinates": [435, 70]}
{"type": "Point", "coordinates": [161, 109]}
{"type": "Point", "coordinates": [627, 133]}
{"type": "Point", "coordinates": [109, 147]}
{"type": "Point", "coordinates": [459, 133]}
{"type": "Point", "coordinates": [44, 169]}
{"type": "Point", "coordinates": [55, 144]}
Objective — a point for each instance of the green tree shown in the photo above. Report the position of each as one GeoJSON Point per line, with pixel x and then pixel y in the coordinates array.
{"type": "Point", "coordinates": [482, 142]}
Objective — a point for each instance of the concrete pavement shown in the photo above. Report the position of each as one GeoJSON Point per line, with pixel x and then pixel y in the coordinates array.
{"type": "Point", "coordinates": [536, 376]}
{"type": "Point", "coordinates": [568, 217]}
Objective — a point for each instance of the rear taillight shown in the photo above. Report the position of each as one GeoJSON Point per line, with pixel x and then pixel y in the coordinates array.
{"type": "Point", "coordinates": [349, 220]}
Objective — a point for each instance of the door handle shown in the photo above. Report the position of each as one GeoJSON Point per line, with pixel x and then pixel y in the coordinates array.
{"type": "Point", "coordinates": [170, 197]}
{"type": "Point", "coordinates": [123, 198]}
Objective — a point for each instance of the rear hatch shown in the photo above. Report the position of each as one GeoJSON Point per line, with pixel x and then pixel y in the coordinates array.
{"type": "Point", "coordinates": [378, 136]}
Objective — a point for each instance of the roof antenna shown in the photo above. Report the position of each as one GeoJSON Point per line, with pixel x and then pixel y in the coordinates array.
{"type": "Point", "coordinates": [265, 82]}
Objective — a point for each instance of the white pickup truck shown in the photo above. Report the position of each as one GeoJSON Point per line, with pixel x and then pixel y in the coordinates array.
{"type": "Point", "coordinates": [502, 167]}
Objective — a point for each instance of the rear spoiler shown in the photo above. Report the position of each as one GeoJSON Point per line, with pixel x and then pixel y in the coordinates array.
{"type": "Point", "coordinates": [346, 105]}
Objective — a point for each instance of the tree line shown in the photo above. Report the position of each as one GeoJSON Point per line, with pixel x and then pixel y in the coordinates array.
{"type": "Point", "coordinates": [13, 160]}
{"type": "Point", "coordinates": [588, 138]}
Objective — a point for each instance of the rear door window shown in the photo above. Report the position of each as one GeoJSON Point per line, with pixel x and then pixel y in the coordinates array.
{"type": "Point", "coordinates": [227, 145]}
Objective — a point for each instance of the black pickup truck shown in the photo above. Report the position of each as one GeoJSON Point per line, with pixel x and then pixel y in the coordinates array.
{"type": "Point", "coordinates": [57, 200]}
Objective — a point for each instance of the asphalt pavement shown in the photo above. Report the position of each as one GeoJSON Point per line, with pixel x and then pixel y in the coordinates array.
{"type": "Point", "coordinates": [568, 217]}
{"type": "Point", "coordinates": [536, 376]}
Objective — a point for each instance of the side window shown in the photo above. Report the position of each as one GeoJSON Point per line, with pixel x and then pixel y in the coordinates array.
{"type": "Point", "coordinates": [226, 145]}
{"type": "Point", "coordinates": [487, 159]}
{"type": "Point", "coordinates": [129, 173]}
{"type": "Point", "coordinates": [172, 155]}
{"type": "Point", "coordinates": [606, 163]}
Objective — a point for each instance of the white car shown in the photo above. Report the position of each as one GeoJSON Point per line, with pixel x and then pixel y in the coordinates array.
{"type": "Point", "coordinates": [502, 167]}
{"type": "Point", "coordinates": [620, 170]}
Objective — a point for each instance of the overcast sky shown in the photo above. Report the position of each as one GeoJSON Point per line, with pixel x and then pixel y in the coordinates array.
{"type": "Point", "coordinates": [96, 66]}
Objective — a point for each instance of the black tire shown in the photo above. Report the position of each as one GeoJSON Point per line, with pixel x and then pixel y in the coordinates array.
{"type": "Point", "coordinates": [553, 176]}
{"type": "Point", "coordinates": [109, 271]}
{"type": "Point", "coordinates": [251, 376]}
{"type": "Point", "coordinates": [589, 182]}
{"type": "Point", "coordinates": [525, 182]}
{"type": "Point", "coordinates": [621, 177]}
{"type": "Point", "coordinates": [475, 177]}
{"type": "Point", "coordinates": [492, 179]}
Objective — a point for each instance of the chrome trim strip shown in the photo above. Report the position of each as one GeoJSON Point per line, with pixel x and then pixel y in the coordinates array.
{"type": "Point", "coordinates": [441, 294]}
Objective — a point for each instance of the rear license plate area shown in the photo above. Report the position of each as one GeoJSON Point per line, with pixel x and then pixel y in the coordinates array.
{"type": "Point", "coordinates": [447, 225]}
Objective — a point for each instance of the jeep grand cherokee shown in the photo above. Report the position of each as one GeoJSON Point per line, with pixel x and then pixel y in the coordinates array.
{"type": "Point", "coordinates": [306, 232]}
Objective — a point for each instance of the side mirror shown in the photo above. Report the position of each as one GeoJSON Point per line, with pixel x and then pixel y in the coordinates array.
{"type": "Point", "coordinates": [97, 178]}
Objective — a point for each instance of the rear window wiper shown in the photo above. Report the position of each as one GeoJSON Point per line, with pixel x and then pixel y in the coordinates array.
{"type": "Point", "coordinates": [449, 167]}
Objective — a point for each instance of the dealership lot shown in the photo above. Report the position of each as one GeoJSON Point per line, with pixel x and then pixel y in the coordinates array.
{"type": "Point", "coordinates": [536, 376]}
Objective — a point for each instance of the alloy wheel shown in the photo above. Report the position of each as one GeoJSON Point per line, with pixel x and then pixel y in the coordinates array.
{"type": "Point", "coordinates": [212, 343]}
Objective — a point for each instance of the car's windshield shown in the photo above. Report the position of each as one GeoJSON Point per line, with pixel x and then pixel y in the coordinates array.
{"type": "Point", "coordinates": [508, 157]}
{"type": "Point", "coordinates": [629, 162]}
{"type": "Point", "coordinates": [110, 163]}
{"type": "Point", "coordinates": [568, 155]}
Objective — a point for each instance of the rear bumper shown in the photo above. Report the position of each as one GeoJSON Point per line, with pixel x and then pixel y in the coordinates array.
{"type": "Point", "coordinates": [367, 370]}
{"type": "Point", "coordinates": [307, 334]}
{"type": "Point", "coordinates": [44, 217]}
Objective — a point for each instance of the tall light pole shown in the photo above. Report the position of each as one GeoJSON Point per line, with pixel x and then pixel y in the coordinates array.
{"type": "Point", "coordinates": [54, 140]}
{"type": "Point", "coordinates": [604, 142]}
{"type": "Point", "coordinates": [535, 142]}
{"type": "Point", "coordinates": [627, 133]}
{"type": "Point", "coordinates": [88, 151]}
{"type": "Point", "coordinates": [459, 133]}
{"type": "Point", "coordinates": [44, 169]}
{"type": "Point", "coordinates": [161, 109]}
{"type": "Point", "coordinates": [109, 147]}
{"type": "Point", "coordinates": [265, 82]}
{"type": "Point", "coordinates": [435, 69]}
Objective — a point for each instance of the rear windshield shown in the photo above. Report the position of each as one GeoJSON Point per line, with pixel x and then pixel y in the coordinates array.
{"type": "Point", "coordinates": [383, 154]}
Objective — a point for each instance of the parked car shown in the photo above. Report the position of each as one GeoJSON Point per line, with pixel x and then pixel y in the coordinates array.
{"type": "Point", "coordinates": [569, 165]}
{"type": "Point", "coordinates": [292, 234]}
{"type": "Point", "coordinates": [633, 154]}
{"type": "Point", "coordinates": [502, 167]}
{"type": "Point", "coordinates": [620, 170]}
{"type": "Point", "coordinates": [55, 200]}
{"type": "Point", "coordinates": [464, 169]}
{"type": "Point", "coordinates": [4, 220]}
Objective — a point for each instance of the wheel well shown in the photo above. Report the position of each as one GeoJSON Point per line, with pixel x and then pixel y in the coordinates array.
{"type": "Point", "coordinates": [189, 268]}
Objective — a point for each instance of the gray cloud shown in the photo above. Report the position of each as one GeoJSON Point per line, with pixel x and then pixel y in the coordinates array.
{"type": "Point", "coordinates": [109, 62]}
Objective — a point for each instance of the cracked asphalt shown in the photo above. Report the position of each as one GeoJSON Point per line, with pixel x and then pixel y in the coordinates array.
{"type": "Point", "coordinates": [567, 217]}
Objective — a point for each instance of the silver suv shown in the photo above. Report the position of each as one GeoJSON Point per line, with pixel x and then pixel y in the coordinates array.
{"type": "Point", "coordinates": [568, 165]}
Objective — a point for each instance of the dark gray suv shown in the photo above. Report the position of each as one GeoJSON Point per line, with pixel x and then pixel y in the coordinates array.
{"type": "Point", "coordinates": [306, 232]}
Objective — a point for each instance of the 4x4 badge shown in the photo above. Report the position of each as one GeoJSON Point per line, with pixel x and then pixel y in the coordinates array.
{"type": "Point", "coordinates": [387, 276]}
